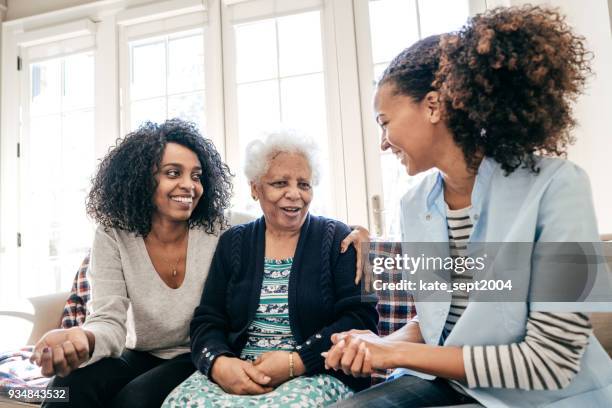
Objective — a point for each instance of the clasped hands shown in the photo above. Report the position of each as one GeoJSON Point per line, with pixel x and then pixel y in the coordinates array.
{"type": "Point", "coordinates": [236, 376]}
{"type": "Point", "coordinates": [359, 352]}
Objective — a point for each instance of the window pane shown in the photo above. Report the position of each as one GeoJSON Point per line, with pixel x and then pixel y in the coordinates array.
{"type": "Point", "coordinates": [148, 70]}
{"type": "Point", "coordinates": [378, 71]}
{"type": "Point", "coordinates": [441, 16]}
{"type": "Point", "coordinates": [254, 117]}
{"type": "Point", "coordinates": [258, 110]}
{"type": "Point", "coordinates": [153, 110]}
{"type": "Point", "coordinates": [77, 150]}
{"type": "Point", "coordinates": [44, 148]}
{"type": "Point", "coordinates": [393, 27]}
{"type": "Point", "coordinates": [285, 85]}
{"type": "Point", "coordinates": [186, 64]}
{"type": "Point", "coordinates": [303, 106]}
{"type": "Point", "coordinates": [78, 86]}
{"type": "Point", "coordinates": [45, 87]}
{"type": "Point", "coordinates": [256, 52]}
{"type": "Point", "coordinates": [394, 176]}
{"type": "Point", "coordinates": [299, 38]}
{"type": "Point", "coordinates": [72, 232]}
{"type": "Point", "coordinates": [56, 231]}
{"type": "Point", "coordinates": [178, 61]}
{"type": "Point", "coordinates": [187, 107]}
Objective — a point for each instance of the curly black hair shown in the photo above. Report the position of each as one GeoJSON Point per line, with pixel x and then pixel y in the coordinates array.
{"type": "Point", "coordinates": [122, 190]}
{"type": "Point", "coordinates": [507, 80]}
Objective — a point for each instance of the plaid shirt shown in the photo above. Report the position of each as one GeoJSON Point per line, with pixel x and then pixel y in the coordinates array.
{"type": "Point", "coordinates": [395, 307]}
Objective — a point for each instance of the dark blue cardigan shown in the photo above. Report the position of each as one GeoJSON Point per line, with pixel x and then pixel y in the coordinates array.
{"type": "Point", "coordinates": [323, 298]}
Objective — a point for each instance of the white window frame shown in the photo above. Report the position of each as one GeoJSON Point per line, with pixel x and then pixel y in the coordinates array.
{"type": "Point", "coordinates": [166, 26]}
{"type": "Point", "coordinates": [23, 48]}
{"type": "Point", "coordinates": [347, 73]}
{"type": "Point", "coordinates": [101, 17]}
{"type": "Point", "coordinates": [370, 130]}
{"type": "Point", "coordinates": [343, 117]}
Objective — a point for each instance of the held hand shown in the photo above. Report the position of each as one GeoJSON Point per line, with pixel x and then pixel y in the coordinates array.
{"type": "Point", "coordinates": [275, 364]}
{"type": "Point", "coordinates": [358, 352]}
{"type": "Point", "coordinates": [239, 377]}
{"type": "Point", "coordinates": [358, 236]}
{"type": "Point", "coordinates": [363, 334]}
{"type": "Point", "coordinates": [61, 351]}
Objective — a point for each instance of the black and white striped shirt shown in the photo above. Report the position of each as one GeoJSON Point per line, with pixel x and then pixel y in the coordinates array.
{"type": "Point", "coordinates": [547, 358]}
{"type": "Point", "coordinates": [460, 228]}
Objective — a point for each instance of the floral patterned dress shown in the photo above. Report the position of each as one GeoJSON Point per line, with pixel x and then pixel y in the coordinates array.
{"type": "Point", "coordinates": [269, 331]}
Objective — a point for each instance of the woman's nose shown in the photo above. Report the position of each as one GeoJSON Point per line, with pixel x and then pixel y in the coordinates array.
{"type": "Point", "coordinates": [384, 142]}
{"type": "Point", "coordinates": [187, 183]}
{"type": "Point", "coordinates": [292, 193]}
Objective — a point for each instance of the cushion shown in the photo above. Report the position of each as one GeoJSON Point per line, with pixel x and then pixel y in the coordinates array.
{"type": "Point", "coordinates": [395, 307]}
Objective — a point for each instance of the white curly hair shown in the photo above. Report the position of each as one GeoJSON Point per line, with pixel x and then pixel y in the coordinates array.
{"type": "Point", "coordinates": [284, 140]}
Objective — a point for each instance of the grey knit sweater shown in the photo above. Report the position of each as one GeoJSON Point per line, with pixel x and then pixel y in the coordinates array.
{"type": "Point", "coordinates": [131, 307]}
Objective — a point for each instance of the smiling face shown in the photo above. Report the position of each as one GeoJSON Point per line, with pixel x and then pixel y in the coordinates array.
{"type": "Point", "coordinates": [179, 187]}
{"type": "Point", "coordinates": [285, 192]}
{"type": "Point", "coordinates": [408, 127]}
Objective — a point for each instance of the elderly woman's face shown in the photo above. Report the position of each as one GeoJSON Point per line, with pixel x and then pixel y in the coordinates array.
{"type": "Point", "coordinates": [285, 192]}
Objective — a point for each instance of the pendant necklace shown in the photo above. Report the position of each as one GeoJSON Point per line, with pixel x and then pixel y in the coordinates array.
{"type": "Point", "coordinates": [174, 272]}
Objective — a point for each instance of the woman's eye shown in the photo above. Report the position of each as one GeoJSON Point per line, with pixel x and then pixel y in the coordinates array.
{"type": "Point", "coordinates": [197, 177]}
{"type": "Point", "coordinates": [172, 173]}
{"type": "Point", "coordinates": [304, 186]}
{"type": "Point", "coordinates": [278, 183]}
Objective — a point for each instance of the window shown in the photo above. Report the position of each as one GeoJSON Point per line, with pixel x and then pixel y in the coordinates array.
{"type": "Point", "coordinates": [234, 67]}
{"type": "Point", "coordinates": [279, 80]}
{"type": "Point", "coordinates": [393, 26]}
{"type": "Point", "coordinates": [57, 163]}
{"type": "Point", "coordinates": [166, 76]}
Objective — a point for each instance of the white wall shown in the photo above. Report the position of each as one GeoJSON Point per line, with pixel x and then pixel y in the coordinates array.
{"type": "Point", "coordinates": [25, 8]}
{"type": "Point", "coordinates": [595, 107]}
{"type": "Point", "coordinates": [593, 149]}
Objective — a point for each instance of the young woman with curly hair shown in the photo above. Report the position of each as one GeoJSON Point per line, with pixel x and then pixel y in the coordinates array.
{"type": "Point", "coordinates": [488, 107]}
{"type": "Point", "coordinates": [159, 198]}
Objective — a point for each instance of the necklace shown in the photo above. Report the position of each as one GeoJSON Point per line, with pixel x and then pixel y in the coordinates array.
{"type": "Point", "coordinates": [173, 267]}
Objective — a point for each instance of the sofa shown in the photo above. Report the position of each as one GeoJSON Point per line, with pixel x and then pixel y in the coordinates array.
{"type": "Point", "coordinates": [48, 310]}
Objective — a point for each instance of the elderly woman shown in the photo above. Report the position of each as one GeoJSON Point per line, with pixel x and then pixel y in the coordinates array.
{"type": "Point", "coordinates": [277, 289]}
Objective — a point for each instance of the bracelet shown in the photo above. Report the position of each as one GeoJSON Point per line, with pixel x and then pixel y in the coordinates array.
{"type": "Point", "coordinates": [291, 365]}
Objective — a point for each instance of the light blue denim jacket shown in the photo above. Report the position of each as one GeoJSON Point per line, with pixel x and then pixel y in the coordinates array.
{"type": "Point", "coordinates": [552, 206]}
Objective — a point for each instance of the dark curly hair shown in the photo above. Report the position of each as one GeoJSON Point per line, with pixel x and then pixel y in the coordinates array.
{"type": "Point", "coordinates": [122, 191]}
{"type": "Point", "coordinates": [507, 80]}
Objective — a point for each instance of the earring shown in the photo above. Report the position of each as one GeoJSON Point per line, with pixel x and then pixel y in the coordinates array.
{"type": "Point", "coordinates": [254, 198]}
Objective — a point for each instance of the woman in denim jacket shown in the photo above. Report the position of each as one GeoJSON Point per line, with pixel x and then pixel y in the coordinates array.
{"type": "Point", "coordinates": [487, 107]}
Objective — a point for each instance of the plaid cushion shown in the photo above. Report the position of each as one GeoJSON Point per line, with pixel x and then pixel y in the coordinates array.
{"type": "Point", "coordinates": [395, 307]}
{"type": "Point", "coordinates": [75, 310]}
